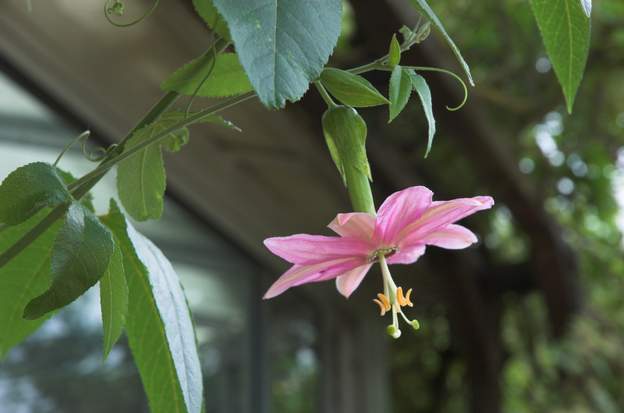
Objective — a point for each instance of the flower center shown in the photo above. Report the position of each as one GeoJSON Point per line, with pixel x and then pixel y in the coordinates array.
{"type": "Point", "coordinates": [393, 299]}
{"type": "Point", "coordinates": [385, 252]}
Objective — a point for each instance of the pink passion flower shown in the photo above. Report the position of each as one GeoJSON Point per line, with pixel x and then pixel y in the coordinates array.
{"type": "Point", "coordinates": [405, 224]}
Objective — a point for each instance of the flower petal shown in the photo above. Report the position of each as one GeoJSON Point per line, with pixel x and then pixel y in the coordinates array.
{"type": "Point", "coordinates": [407, 254]}
{"type": "Point", "coordinates": [453, 237]}
{"type": "Point", "coordinates": [440, 215]}
{"type": "Point", "coordinates": [302, 274]}
{"type": "Point", "coordinates": [311, 249]}
{"type": "Point", "coordinates": [399, 210]}
{"type": "Point", "coordinates": [348, 282]}
{"type": "Point", "coordinates": [355, 225]}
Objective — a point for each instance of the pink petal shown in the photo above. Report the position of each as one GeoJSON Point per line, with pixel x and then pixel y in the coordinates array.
{"type": "Point", "coordinates": [453, 237]}
{"type": "Point", "coordinates": [407, 254]}
{"type": "Point", "coordinates": [399, 210]}
{"type": "Point", "coordinates": [440, 215]}
{"type": "Point", "coordinates": [302, 274]}
{"type": "Point", "coordinates": [356, 225]}
{"type": "Point", "coordinates": [348, 282]}
{"type": "Point", "coordinates": [311, 249]}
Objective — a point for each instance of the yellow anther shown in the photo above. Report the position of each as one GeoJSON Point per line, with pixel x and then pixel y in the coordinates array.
{"type": "Point", "coordinates": [404, 300]}
{"type": "Point", "coordinates": [383, 302]}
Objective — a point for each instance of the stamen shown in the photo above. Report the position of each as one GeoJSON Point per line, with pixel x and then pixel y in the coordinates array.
{"type": "Point", "coordinates": [404, 300]}
{"type": "Point", "coordinates": [382, 308]}
{"type": "Point", "coordinates": [383, 302]}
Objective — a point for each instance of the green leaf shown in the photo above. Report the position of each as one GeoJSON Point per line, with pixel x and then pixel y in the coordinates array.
{"type": "Point", "coordinates": [350, 89]}
{"type": "Point", "coordinates": [82, 251]}
{"type": "Point", "coordinates": [141, 179]}
{"type": "Point", "coordinates": [282, 44]}
{"type": "Point", "coordinates": [68, 178]}
{"type": "Point", "coordinates": [23, 278]}
{"type": "Point", "coordinates": [113, 300]}
{"type": "Point", "coordinates": [225, 78]}
{"type": "Point", "coordinates": [587, 7]}
{"type": "Point", "coordinates": [346, 130]}
{"type": "Point", "coordinates": [400, 91]}
{"type": "Point", "coordinates": [212, 18]}
{"type": "Point", "coordinates": [420, 86]}
{"type": "Point", "coordinates": [566, 31]}
{"type": "Point", "coordinates": [29, 189]}
{"type": "Point", "coordinates": [394, 53]}
{"type": "Point", "coordinates": [425, 9]}
{"type": "Point", "coordinates": [159, 326]}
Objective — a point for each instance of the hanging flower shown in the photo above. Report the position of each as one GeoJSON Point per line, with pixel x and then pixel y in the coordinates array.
{"type": "Point", "coordinates": [406, 223]}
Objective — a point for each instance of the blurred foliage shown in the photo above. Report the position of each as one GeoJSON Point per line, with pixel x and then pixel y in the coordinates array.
{"type": "Point", "coordinates": [575, 164]}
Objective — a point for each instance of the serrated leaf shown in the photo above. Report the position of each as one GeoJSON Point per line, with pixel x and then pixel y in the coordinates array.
{"type": "Point", "coordinates": [282, 44]}
{"type": "Point", "coordinates": [566, 31]}
{"type": "Point", "coordinates": [394, 52]}
{"type": "Point", "coordinates": [81, 253]}
{"type": "Point", "coordinates": [420, 86]}
{"type": "Point", "coordinates": [400, 91]}
{"type": "Point", "coordinates": [29, 189]}
{"type": "Point", "coordinates": [344, 127]}
{"type": "Point", "coordinates": [352, 90]}
{"type": "Point", "coordinates": [159, 326]}
{"type": "Point", "coordinates": [23, 278]}
{"type": "Point", "coordinates": [141, 179]}
{"type": "Point", "coordinates": [211, 17]}
{"type": "Point", "coordinates": [113, 300]}
{"type": "Point", "coordinates": [587, 7]}
{"type": "Point", "coordinates": [225, 78]}
{"type": "Point", "coordinates": [428, 12]}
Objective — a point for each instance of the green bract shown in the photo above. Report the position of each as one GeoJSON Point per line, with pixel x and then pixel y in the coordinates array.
{"type": "Point", "coordinates": [211, 17]}
{"type": "Point", "coordinates": [282, 44]}
{"type": "Point", "coordinates": [400, 91]}
{"type": "Point", "coordinates": [394, 52]}
{"type": "Point", "coordinates": [82, 251]}
{"type": "Point", "coordinates": [113, 300]}
{"type": "Point", "coordinates": [159, 326]}
{"type": "Point", "coordinates": [29, 189]}
{"type": "Point", "coordinates": [565, 29]}
{"type": "Point", "coordinates": [352, 90]}
{"type": "Point", "coordinates": [422, 89]}
{"type": "Point", "coordinates": [200, 77]}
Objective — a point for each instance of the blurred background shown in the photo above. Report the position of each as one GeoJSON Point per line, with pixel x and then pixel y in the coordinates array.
{"type": "Point", "coordinates": [530, 320]}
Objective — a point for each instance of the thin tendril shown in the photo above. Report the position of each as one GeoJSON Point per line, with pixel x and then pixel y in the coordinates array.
{"type": "Point", "coordinates": [107, 12]}
{"type": "Point", "coordinates": [82, 137]}
{"type": "Point", "coordinates": [204, 80]}
{"type": "Point", "coordinates": [447, 72]}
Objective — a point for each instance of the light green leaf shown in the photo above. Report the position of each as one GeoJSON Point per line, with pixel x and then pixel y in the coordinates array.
{"type": "Point", "coordinates": [566, 31]}
{"type": "Point", "coordinates": [420, 86]}
{"type": "Point", "coordinates": [29, 189]}
{"type": "Point", "coordinates": [159, 326]}
{"type": "Point", "coordinates": [394, 52]}
{"type": "Point", "coordinates": [346, 130]}
{"type": "Point", "coordinates": [113, 300]}
{"type": "Point", "coordinates": [23, 278]}
{"type": "Point", "coordinates": [141, 179]}
{"type": "Point", "coordinates": [350, 89]}
{"type": "Point", "coordinates": [282, 44]}
{"type": "Point", "coordinates": [82, 251]}
{"type": "Point", "coordinates": [400, 91]}
{"type": "Point", "coordinates": [425, 9]}
{"type": "Point", "coordinates": [211, 17]}
{"type": "Point", "coordinates": [225, 78]}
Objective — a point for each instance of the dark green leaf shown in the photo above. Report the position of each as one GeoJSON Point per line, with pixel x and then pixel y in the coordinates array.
{"type": "Point", "coordinates": [282, 44]}
{"type": "Point", "coordinates": [394, 53]}
{"type": "Point", "coordinates": [350, 89]}
{"type": "Point", "coordinates": [225, 77]}
{"type": "Point", "coordinates": [29, 189]}
{"type": "Point", "coordinates": [421, 87]}
{"type": "Point", "coordinates": [82, 251]}
{"type": "Point", "coordinates": [211, 17]}
{"type": "Point", "coordinates": [23, 278]}
{"type": "Point", "coordinates": [426, 10]}
{"type": "Point", "coordinates": [346, 129]}
{"type": "Point", "coordinates": [400, 91]}
{"type": "Point", "coordinates": [159, 326]}
{"type": "Point", "coordinates": [566, 30]}
{"type": "Point", "coordinates": [141, 179]}
{"type": "Point", "coordinates": [113, 300]}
